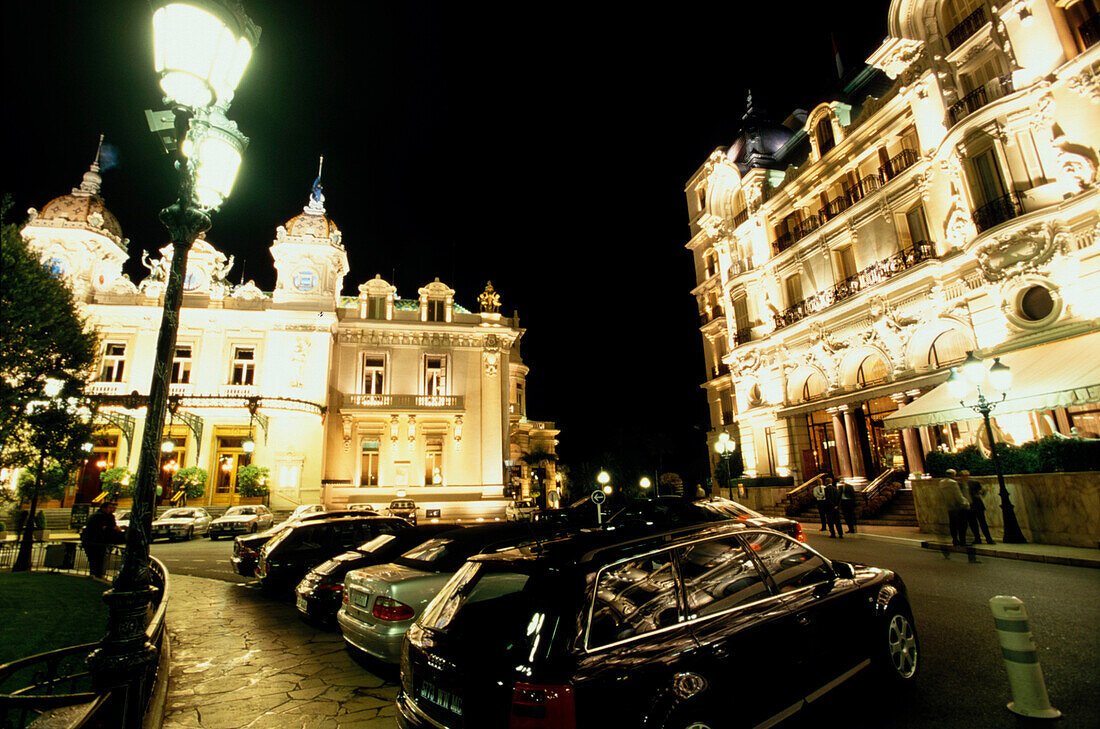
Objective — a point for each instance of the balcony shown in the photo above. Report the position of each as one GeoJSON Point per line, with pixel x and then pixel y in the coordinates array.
{"type": "Point", "coordinates": [741, 336]}
{"type": "Point", "coordinates": [741, 217]}
{"type": "Point", "coordinates": [106, 388]}
{"type": "Point", "coordinates": [719, 370]}
{"type": "Point", "coordinates": [979, 97]}
{"type": "Point", "coordinates": [970, 25]}
{"type": "Point", "coordinates": [874, 274]}
{"type": "Point", "coordinates": [238, 391]}
{"type": "Point", "coordinates": [359, 401]}
{"type": "Point", "coordinates": [897, 164]}
{"type": "Point", "coordinates": [796, 232]}
{"type": "Point", "coordinates": [997, 211]}
{"type": "Point", "coordinates": [710, 314]}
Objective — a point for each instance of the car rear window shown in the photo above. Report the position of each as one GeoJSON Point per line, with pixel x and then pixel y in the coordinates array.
{"type": "Point", "coordinates": [432, 550]}
{"type": "Point", "coordinates": [402, 504]}
{"type": "Point", "coordinates": [377, 543]}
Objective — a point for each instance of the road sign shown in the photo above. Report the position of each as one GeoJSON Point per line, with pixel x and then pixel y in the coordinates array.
{"type": "Point", "coordinates": [598, 497]}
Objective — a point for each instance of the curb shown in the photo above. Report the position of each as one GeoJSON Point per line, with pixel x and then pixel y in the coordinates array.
{"type": "Point", "coordinates": [1090, 562]}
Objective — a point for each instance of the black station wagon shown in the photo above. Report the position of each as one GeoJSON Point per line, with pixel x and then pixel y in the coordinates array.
{"type": "Point", "coordinates": [663, 631]}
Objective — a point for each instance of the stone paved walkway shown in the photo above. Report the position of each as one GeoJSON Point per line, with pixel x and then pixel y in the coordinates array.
{"type": "Point", "coordinates": [242, 659]}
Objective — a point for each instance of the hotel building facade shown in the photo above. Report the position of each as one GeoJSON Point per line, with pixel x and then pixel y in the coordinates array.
{"type": "Point", "coordinates": [346, 399]}
{"type": "Point", "coordinates": [848, 256]}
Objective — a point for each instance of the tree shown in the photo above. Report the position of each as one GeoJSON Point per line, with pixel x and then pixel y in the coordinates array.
{"type": "Point", "coordinates": [46, 358]}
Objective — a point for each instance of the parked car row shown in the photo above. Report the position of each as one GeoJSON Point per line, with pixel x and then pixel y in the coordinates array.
{"type": "Point", "coordinates": [654, 618]}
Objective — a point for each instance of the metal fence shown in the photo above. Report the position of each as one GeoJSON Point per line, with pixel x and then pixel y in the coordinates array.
{"type": "Point", "coordinates": [59, 556]}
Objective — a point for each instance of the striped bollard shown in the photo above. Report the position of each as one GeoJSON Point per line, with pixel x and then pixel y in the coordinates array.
{"type": "Point", "coordinates": [1025, 676]}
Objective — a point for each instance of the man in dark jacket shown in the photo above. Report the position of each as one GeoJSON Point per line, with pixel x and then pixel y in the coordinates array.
{"type": "Point", "coordinates": [977, 508]}
{"type": "Point", "coordinates": [99, 532]}
{"type": "Point", "coordinates": [832, 509]}
{"type": "Point", "coordinates": [848, 505]}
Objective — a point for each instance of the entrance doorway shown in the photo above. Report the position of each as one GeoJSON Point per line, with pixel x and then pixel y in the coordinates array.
{"type": "Point", "coordinates": [103, 456]}
{"type": "Point", "coordinates": [170, 463]}
{"type": "Point", "coordinates": [822, 444]}
{"type": "Point", "coordinates": [887, 449]}
{"type": "Point", "coordinates": [229, 457]}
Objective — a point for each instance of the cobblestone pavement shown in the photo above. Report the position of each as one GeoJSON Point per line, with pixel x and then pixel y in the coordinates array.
{"type": "Point", "coordinates": [241, 659]}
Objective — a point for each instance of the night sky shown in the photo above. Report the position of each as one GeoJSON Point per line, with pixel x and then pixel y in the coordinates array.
{"type": "Point", "coordinates": [544, 147]}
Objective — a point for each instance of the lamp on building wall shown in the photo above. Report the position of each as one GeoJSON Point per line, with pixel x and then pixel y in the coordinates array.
{"type": "Point", "coordinates": [201, 49]}
{"type": "Point", "coordinates": [645, 483]}
{"type": "Point", "coordinates": [971, 374]}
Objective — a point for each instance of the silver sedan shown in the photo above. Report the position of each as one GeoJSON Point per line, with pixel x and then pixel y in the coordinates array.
{"type": "Point", "coordinates": [181, 523]}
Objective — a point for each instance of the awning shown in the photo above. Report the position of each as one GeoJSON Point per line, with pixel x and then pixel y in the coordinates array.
{"type": "Point", "coordinates": [1054, 375]}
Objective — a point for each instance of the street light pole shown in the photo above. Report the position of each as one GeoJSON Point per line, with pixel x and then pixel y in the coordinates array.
{"type": "Point", "coordinates": [201, 52]}
{"type": "Point", "coordinates": [1000, 377]}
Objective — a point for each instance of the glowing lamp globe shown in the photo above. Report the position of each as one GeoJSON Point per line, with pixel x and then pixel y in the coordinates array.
{"type": "Point", "coordinates": [214, 147]}
{"type": "Point", "coordinates": [973, 369]}
{"type": "Point", "coordinates": [248, 445]}
{"type": "Point", "coordinates": [603, 477]}
{"type": "Point", "coordinates": [957, 385]}
{"type": "Point", "coordinates": [645, 482]}
{"type": "Point", "coordinates": [201, 49]}
{"type": "Point", "coordinates": [1000, 376]}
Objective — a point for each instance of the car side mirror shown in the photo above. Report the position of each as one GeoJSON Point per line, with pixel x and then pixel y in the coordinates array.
{"type": "Point", "coordinates": [843, 570]}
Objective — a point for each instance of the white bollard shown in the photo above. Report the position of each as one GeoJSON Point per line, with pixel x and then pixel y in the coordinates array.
{"type": "Point", "coordinates": [1025, 676]}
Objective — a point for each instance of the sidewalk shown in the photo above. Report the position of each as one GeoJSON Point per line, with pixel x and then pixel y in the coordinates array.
{"type": "Point", "coordinates": [242, 660]}
{"type": "Point", "coordinates": [1050, 553]}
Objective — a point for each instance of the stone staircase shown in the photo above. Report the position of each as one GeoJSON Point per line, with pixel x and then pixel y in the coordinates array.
{"type": "Point", "coordinates": [901, 511]}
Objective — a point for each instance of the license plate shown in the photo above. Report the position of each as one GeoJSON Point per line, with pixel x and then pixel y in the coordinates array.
{"type": "Point", "coordinates": [360, 599]}
{"type": "Point", "coordinates": [444, 699]}
{"type": "Point", "coordinates": [301, 603]}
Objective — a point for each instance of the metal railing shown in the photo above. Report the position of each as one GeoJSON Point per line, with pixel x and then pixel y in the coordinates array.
{"type": "Point", "coordinates": [979, 97]}
{"type": "Point", "coordinates": [997, 211]}
{"type": "Point", "coordinates": [970, 25]}
{"type": "Point", "coordinates": [874, 274]}
{"type": "Point", "coordinates": [879, 486]}
{"type": "Point", "coordinates": [802, 495]}
{"type": "Point", "coordinates": [897, 164]}
{"type": "Point", "coordinates": [404, 402]}
{"type": "Point", "coordinates": [56, 688]}
{"type": "Point", "coordinates": [741, 217]}
{"type": "Point", "coordinates": [59, 555]}
{"type": "Point", "coordinates": [797, 231]}
{"type": "Point", "coordinates": [742, 335]}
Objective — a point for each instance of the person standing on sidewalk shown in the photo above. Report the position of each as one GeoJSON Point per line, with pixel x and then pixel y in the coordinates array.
{"type": "Point", "coordinates": [819, 498]}
{"type": "Point", "coordinates": [958, 508]}
{"type": "Point", "coordinates": [100, 531]}
{"type": "Point", "coordinates": [848, 506]}
{"type": "Point", "coordinates": [977, 508]}
{"type": "Point", "coordinates": [832, 510]}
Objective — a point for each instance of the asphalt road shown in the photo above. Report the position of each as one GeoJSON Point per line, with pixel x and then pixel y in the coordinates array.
{"type": "Point", "coordinates": [962, 682]}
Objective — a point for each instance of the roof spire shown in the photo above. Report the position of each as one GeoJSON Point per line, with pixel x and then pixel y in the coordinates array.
{"type": "Point", "coordinates": [748, 106]}
{"type": "Point", "coordinates": [91, 182]}
{"type": "Point", "coordinates": [316, 204]}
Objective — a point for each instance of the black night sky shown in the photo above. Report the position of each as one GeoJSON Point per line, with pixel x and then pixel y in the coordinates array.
{"type": "Point", "coordinates": [542, 146]}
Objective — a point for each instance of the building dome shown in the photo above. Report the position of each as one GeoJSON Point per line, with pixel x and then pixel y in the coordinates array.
{"type": "Point", "coordinates": [313, 223]}
{"type": "Point", "coordinates": [760, 141]}
{"type": "Point", "coordinates": [82, 208]}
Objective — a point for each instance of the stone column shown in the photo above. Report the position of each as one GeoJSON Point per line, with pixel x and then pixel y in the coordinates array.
{"type": "Point", "coordinates": [841, 439]}
{"type": "Point", "coordinates": [910, 438]}
{"type": "Point", "coordinates": [855, 448]}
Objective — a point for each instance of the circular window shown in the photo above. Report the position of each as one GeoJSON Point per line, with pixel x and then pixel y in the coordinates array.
{"type": "Point", "coordinates": [1036, 303]}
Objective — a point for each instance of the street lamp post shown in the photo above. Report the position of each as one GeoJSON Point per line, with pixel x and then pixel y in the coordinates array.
{"type": "Point", "coordinates": [725, 447]}
{"type": "Point", "coordinates": [645, 483]}
{"type": "Point", "coordinates": [972, 372]}
{"type": "Point", "coordinates": [201, 50]}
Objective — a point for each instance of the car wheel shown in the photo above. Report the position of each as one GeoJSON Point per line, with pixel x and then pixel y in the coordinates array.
{"type": "Point", "coordinates": [899, 652]}
{"type": "Point", "coordinates": [190, 534]}
{"type": "Point", "coordinates": [213, 538]}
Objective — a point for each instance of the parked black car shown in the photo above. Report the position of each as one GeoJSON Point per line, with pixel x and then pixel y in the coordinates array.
{"type": "Point", "coordinates": [246, 548]}
{"type": "Point", "coordinates": [319, 593]}
{"type": "Point", "coordinates": [286, 558]}
{"type": "Point", "coordinates": [699, 627]}
{"type": "Point", "coordinates": [672, 511]}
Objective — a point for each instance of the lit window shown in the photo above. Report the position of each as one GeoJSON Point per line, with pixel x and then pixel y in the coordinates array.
{"type": "Point", "coordinates": [181, 365]}
{"type": "Point", "coordinates": [368, 471]}
{"type": "Point", "coordinates": [374, 371]}
{"type": "Point", "coordinates": [244, 366]}
{"type": "Point", "coordinates": [824, 134]}
{"type": "Point", "coordinates": [436, 310]}
{"type": "Point", "coordinates": [872, 371]}
{"type": "Point", "coordinates": [435, 374]}
{"type": "Point", "coordinates": [376, 307]}
{"type": "Point", "coordinates": [433, 460]}
{"type": "Point", "coordinates": [114, 363]}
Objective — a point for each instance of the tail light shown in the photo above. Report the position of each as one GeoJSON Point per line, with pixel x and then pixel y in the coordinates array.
{"type": "Point", "coordinates": [330, 587]}
{"type": "Point", "coordinates": [542, 707]}
{"type": "Point", "coordinates": [386, 608]}
{"type": "Point", "coordinates": [798, 533]}
{"type": "Point", "coordinates": [344, 601]}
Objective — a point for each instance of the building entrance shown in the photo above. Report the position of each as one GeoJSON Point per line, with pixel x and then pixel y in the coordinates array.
{"type": "Point", "coordinates": [887, 449]}
{"type": "Point", "coordinates": [103, 456]}
{"type": "Point", "coordinates": [823, 455]}
{"type": "Point", "coordinates": [229, 458]}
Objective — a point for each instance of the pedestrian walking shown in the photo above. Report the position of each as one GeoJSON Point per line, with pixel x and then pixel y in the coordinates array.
{"type": "Point", "coordinates": [99, 532]}
{"type": "Point", "coordinates": [832, 510]}
{"type": "Point", "coordinates": [819, 498]}
{"type": "Point", "coordinates": [958, 508]}
{"type": "Point", "coordinates": [848, 506]}
{"type": "Point", "coordinates": [977, 508]}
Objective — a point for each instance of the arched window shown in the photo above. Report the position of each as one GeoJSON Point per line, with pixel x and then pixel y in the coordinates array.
{"type": "Point", "coordinates": [948, 348]}
{"type": "Point", "coordinates": [814, 388]}
{"type": "Point", "coordinates": [824, 133]}
{"type": "Point", "coordinates": [872, 371]}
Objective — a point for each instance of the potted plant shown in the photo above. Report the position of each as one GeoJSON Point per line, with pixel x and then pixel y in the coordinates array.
{"type": "Point", "coordinates": [3, 531]}
{"type": "Point", "coordinates": [40, 533]}
{"type": "Point", "coordinates": [192, 481]}
{"type": "Point", "coordinates": [116, 483]}
{"type": "Point", "coordinates": [252, 481]}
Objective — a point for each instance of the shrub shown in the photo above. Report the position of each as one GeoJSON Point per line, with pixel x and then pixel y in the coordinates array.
{"type": "Point", "coordinates": [252, 480]}
{"type": "Point", "coordinates": [192, 480]}
{"type": "Point", "coordinates": [1049, 455]}
{"type": "Point", "coordinates": [117, 482]}
{"type": "Point", "coordinates": [39, 520]}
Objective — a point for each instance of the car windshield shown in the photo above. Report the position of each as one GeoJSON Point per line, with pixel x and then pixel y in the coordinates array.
{"type": "Point", "coordinates": [179, 514]}
{"type": "Point", "coordinates": [241, 511]}
{"type": "Point", "coordinates": [377, 543]}
{"type": "Point", "coordinates": [402, 504]}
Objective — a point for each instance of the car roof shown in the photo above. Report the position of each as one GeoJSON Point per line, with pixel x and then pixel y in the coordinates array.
{"type": "Point", "coordinates": [607, 544]}
{"type": "Point", "coordinates": [343, 518]}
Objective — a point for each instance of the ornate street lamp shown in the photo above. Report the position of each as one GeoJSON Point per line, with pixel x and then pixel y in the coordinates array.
{"type": "Point", "coordinates": [972, 373]}
{"type": "Point", "coordinates": [645, 483]}
{"type": "Point", "coordinates": [201, 49]}
{"type": "Point", "coordinates": [725, 447]}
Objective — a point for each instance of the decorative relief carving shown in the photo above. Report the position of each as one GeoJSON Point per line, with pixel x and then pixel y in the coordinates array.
{"type": "Point", "coordinates": [1087, 84]}
{"type": "Point", "coordinates": [1020, 252]}
{"type": "Point", "coordinates": [248, 292]}
{"type": "Point", "coordinates": [959, 227]}
{"type": "Point", "coordinates": [412, 431]}
{"type": "Point", "coordinates": [347, 421]}
{"type": "Point", "coordinates": [1078, 161]}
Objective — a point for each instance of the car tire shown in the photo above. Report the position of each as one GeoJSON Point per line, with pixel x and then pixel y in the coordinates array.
{"type": "Point", "coordinates": [252, 529]}
{"type": "Point", "coordinates": [213, 538]}
{"type": "Point", "coordinates": [897, 647]}
{"type": "Point", "coordinates": [190, 534]}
